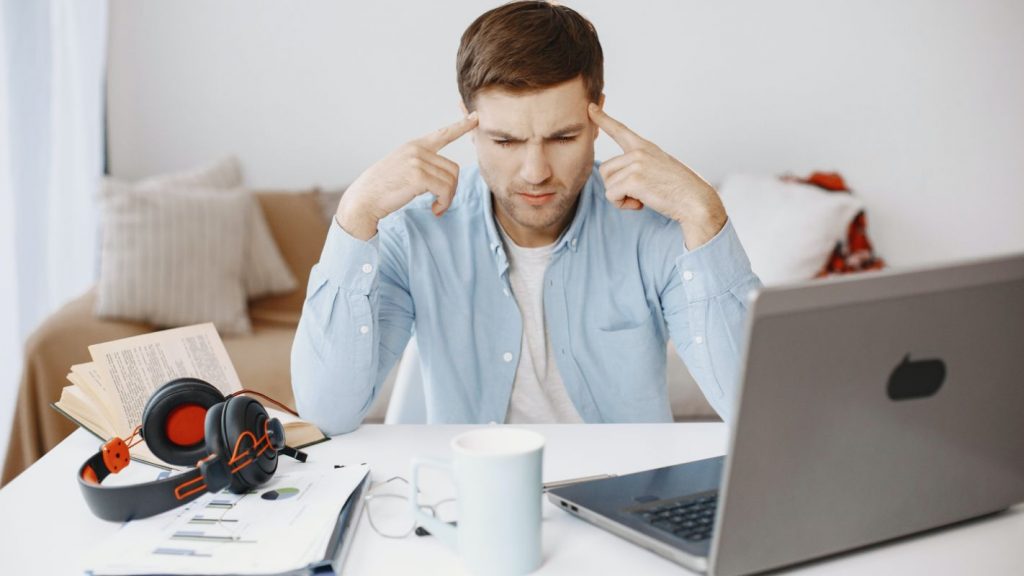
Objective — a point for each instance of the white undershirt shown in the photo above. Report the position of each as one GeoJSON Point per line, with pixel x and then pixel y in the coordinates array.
{"type": "Point", "coordinates": [538, 394]}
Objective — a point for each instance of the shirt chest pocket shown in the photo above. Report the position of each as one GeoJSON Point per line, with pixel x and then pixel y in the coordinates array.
{"type": "Point", "coordinates": [630, 370]}
{"type": "Point", "coordinates": [624, 334]}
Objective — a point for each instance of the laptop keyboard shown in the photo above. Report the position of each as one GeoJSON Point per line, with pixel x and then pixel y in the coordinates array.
{"type": "Point", "coordinates": [691, 518]}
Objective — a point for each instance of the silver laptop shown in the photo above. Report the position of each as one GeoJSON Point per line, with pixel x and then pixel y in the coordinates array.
{"type": "Point", "coordinates": [871, 407]}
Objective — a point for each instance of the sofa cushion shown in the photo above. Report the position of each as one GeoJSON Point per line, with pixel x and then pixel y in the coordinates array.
{"type": "Point", "coordinates": [175, 258]}
{"type": "Point", "coordinates": [299, 229]}
{"type": "Point", "coordinates": [265, 272]}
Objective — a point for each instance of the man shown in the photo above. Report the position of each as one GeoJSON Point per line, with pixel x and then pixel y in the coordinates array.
{"type": "Point", "coordinates": [541, 287]}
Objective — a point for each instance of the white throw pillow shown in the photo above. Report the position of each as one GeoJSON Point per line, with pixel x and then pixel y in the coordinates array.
{"type": "Point", "coordinates": [265, 270]}
{"type": "Point", "coordinates": [175, 258]}
{"type": "Point", "coordinates": [788, 229]}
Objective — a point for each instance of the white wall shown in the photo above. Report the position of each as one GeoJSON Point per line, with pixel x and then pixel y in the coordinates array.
{"type": "Point", "coordinates": [918, 103]}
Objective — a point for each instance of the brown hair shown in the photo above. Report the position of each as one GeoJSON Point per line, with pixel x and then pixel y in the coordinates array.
{"type": "Point", "coordinates": [526, 46]}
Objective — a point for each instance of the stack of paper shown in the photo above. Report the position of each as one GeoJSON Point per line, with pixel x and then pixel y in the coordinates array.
{"type": "Point", "coordinates": [283, 526]}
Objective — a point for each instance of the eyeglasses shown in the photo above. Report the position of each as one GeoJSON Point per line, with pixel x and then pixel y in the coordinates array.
{"type": "Point", "coordinates": [387, 509]}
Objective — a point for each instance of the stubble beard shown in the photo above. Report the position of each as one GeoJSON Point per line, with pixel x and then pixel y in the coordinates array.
{"type": "Point", "coordinates": [547, 218]}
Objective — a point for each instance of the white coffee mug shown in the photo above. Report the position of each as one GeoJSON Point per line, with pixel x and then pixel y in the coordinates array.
{"type": "Point", "coordinates": [497, 473]}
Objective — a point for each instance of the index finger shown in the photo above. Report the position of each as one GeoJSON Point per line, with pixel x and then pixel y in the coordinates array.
{"type": "Point", "coordinates": [444, 136]}
{"type": "Point", "coordinates": [623, 136]}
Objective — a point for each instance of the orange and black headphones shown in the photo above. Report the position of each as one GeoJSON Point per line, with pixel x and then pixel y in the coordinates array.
{"type": "Point", "coordinates": [231, 440]}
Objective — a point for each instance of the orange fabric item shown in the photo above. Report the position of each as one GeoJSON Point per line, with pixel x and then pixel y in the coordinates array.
{"type": "Point", "coordinates": [832, 181]}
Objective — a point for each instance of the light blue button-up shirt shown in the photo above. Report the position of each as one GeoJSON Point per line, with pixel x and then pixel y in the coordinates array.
{"type": "Point", "coordinates": [619, 284]}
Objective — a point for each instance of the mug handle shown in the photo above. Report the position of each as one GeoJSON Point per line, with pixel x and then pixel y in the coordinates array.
{"type": "Point", "coordinates": [444, 531]}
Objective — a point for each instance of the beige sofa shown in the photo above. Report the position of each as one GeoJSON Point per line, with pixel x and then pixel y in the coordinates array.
{"type": "Point", "coordinates": [298, 223]}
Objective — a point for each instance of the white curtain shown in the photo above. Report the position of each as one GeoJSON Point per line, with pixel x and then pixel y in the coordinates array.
{"type": "Point", "coordinates": [52, 74]}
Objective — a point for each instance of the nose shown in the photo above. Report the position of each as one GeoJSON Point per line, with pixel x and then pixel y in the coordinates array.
{"type": "Point", "coordinates": [535, 169]}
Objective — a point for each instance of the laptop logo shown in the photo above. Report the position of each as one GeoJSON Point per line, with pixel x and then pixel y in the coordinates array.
{"type": "Point", "coordinates": [916, 378]}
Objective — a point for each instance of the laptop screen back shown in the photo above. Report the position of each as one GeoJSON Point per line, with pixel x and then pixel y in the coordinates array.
{"type": "Point", "coordinates": [874, 407]}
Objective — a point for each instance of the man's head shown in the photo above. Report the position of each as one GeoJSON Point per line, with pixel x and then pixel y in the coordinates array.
{"type": "Point", "coordinates": [530, 69]}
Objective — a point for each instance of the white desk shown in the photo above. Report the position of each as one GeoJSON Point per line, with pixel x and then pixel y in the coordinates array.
{"type": "Point", "coordinates": [46, 526]}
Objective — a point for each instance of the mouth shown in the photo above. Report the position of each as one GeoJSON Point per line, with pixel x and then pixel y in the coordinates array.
{"type": "Point", "coordinates": [537, 199]}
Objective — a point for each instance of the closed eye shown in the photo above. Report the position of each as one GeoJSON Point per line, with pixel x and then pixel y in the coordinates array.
{"type": "Point", "coordinates": [508, 143]}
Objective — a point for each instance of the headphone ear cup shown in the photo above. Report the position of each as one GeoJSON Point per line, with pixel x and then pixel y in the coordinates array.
{"type": "Point", "coordinates": [214, 436]}
{"type": "Point", "coordinates": [246, 417]}
{"type": "Point", "coordinates": [173, 420]}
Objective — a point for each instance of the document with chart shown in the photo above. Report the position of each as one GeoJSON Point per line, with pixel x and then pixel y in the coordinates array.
{"type": "Point", "coordinates": [283, 526]}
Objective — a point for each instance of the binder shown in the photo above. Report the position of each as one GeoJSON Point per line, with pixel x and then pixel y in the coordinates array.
{"type": "Point", "coordinates": [341, 538]}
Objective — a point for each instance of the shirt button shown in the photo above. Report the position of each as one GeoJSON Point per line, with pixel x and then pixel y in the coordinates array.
{"type": "Point", "coordinates": [364, 329]}
{"type": "Point", "coordinates": [687, 275]}
{"type": "Point", "coordinates": [367, 268]}
{"type": "Point", "coordinates": [699, 339]}
{"type": "Point", "coordinates": [573, 242]}
{"type": "Point", "coordinates": [507, 356]}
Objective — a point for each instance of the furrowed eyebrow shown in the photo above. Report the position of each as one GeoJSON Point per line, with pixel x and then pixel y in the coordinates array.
{"type": "Point", "coordinates": [567, 131]}
{"type": "Point", "coordinates": [500, 135]}
{"type": "Point", "coordinates": [561, 133]}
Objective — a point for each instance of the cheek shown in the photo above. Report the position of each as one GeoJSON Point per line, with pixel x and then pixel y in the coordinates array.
{"type": "Point", "coordinates": [497, 160]}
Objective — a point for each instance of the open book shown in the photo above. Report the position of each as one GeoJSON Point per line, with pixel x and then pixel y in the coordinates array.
{"type": "Point", "coordinates": [107, 395]}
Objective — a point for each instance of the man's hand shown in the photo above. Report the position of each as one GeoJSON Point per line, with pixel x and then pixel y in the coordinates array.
{"type": "Point", "coordinates": [391, 183]}
{"type": "Point", "coordinates": [644, 175]}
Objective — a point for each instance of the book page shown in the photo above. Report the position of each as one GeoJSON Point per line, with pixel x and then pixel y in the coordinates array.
{"type": "Point", "coordinates": [77, 404]}
{"type": "Point", "coordinates": [87, 376]}
{"type": "Point", "coordinates": [132, 368]}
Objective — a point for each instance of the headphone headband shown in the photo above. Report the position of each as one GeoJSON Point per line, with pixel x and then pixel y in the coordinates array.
{"type": "Point", "coordinates": [125, 503]}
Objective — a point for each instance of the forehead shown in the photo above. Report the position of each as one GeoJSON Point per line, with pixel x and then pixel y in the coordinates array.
{"type": "Point", "coordinates": [532, 113]}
